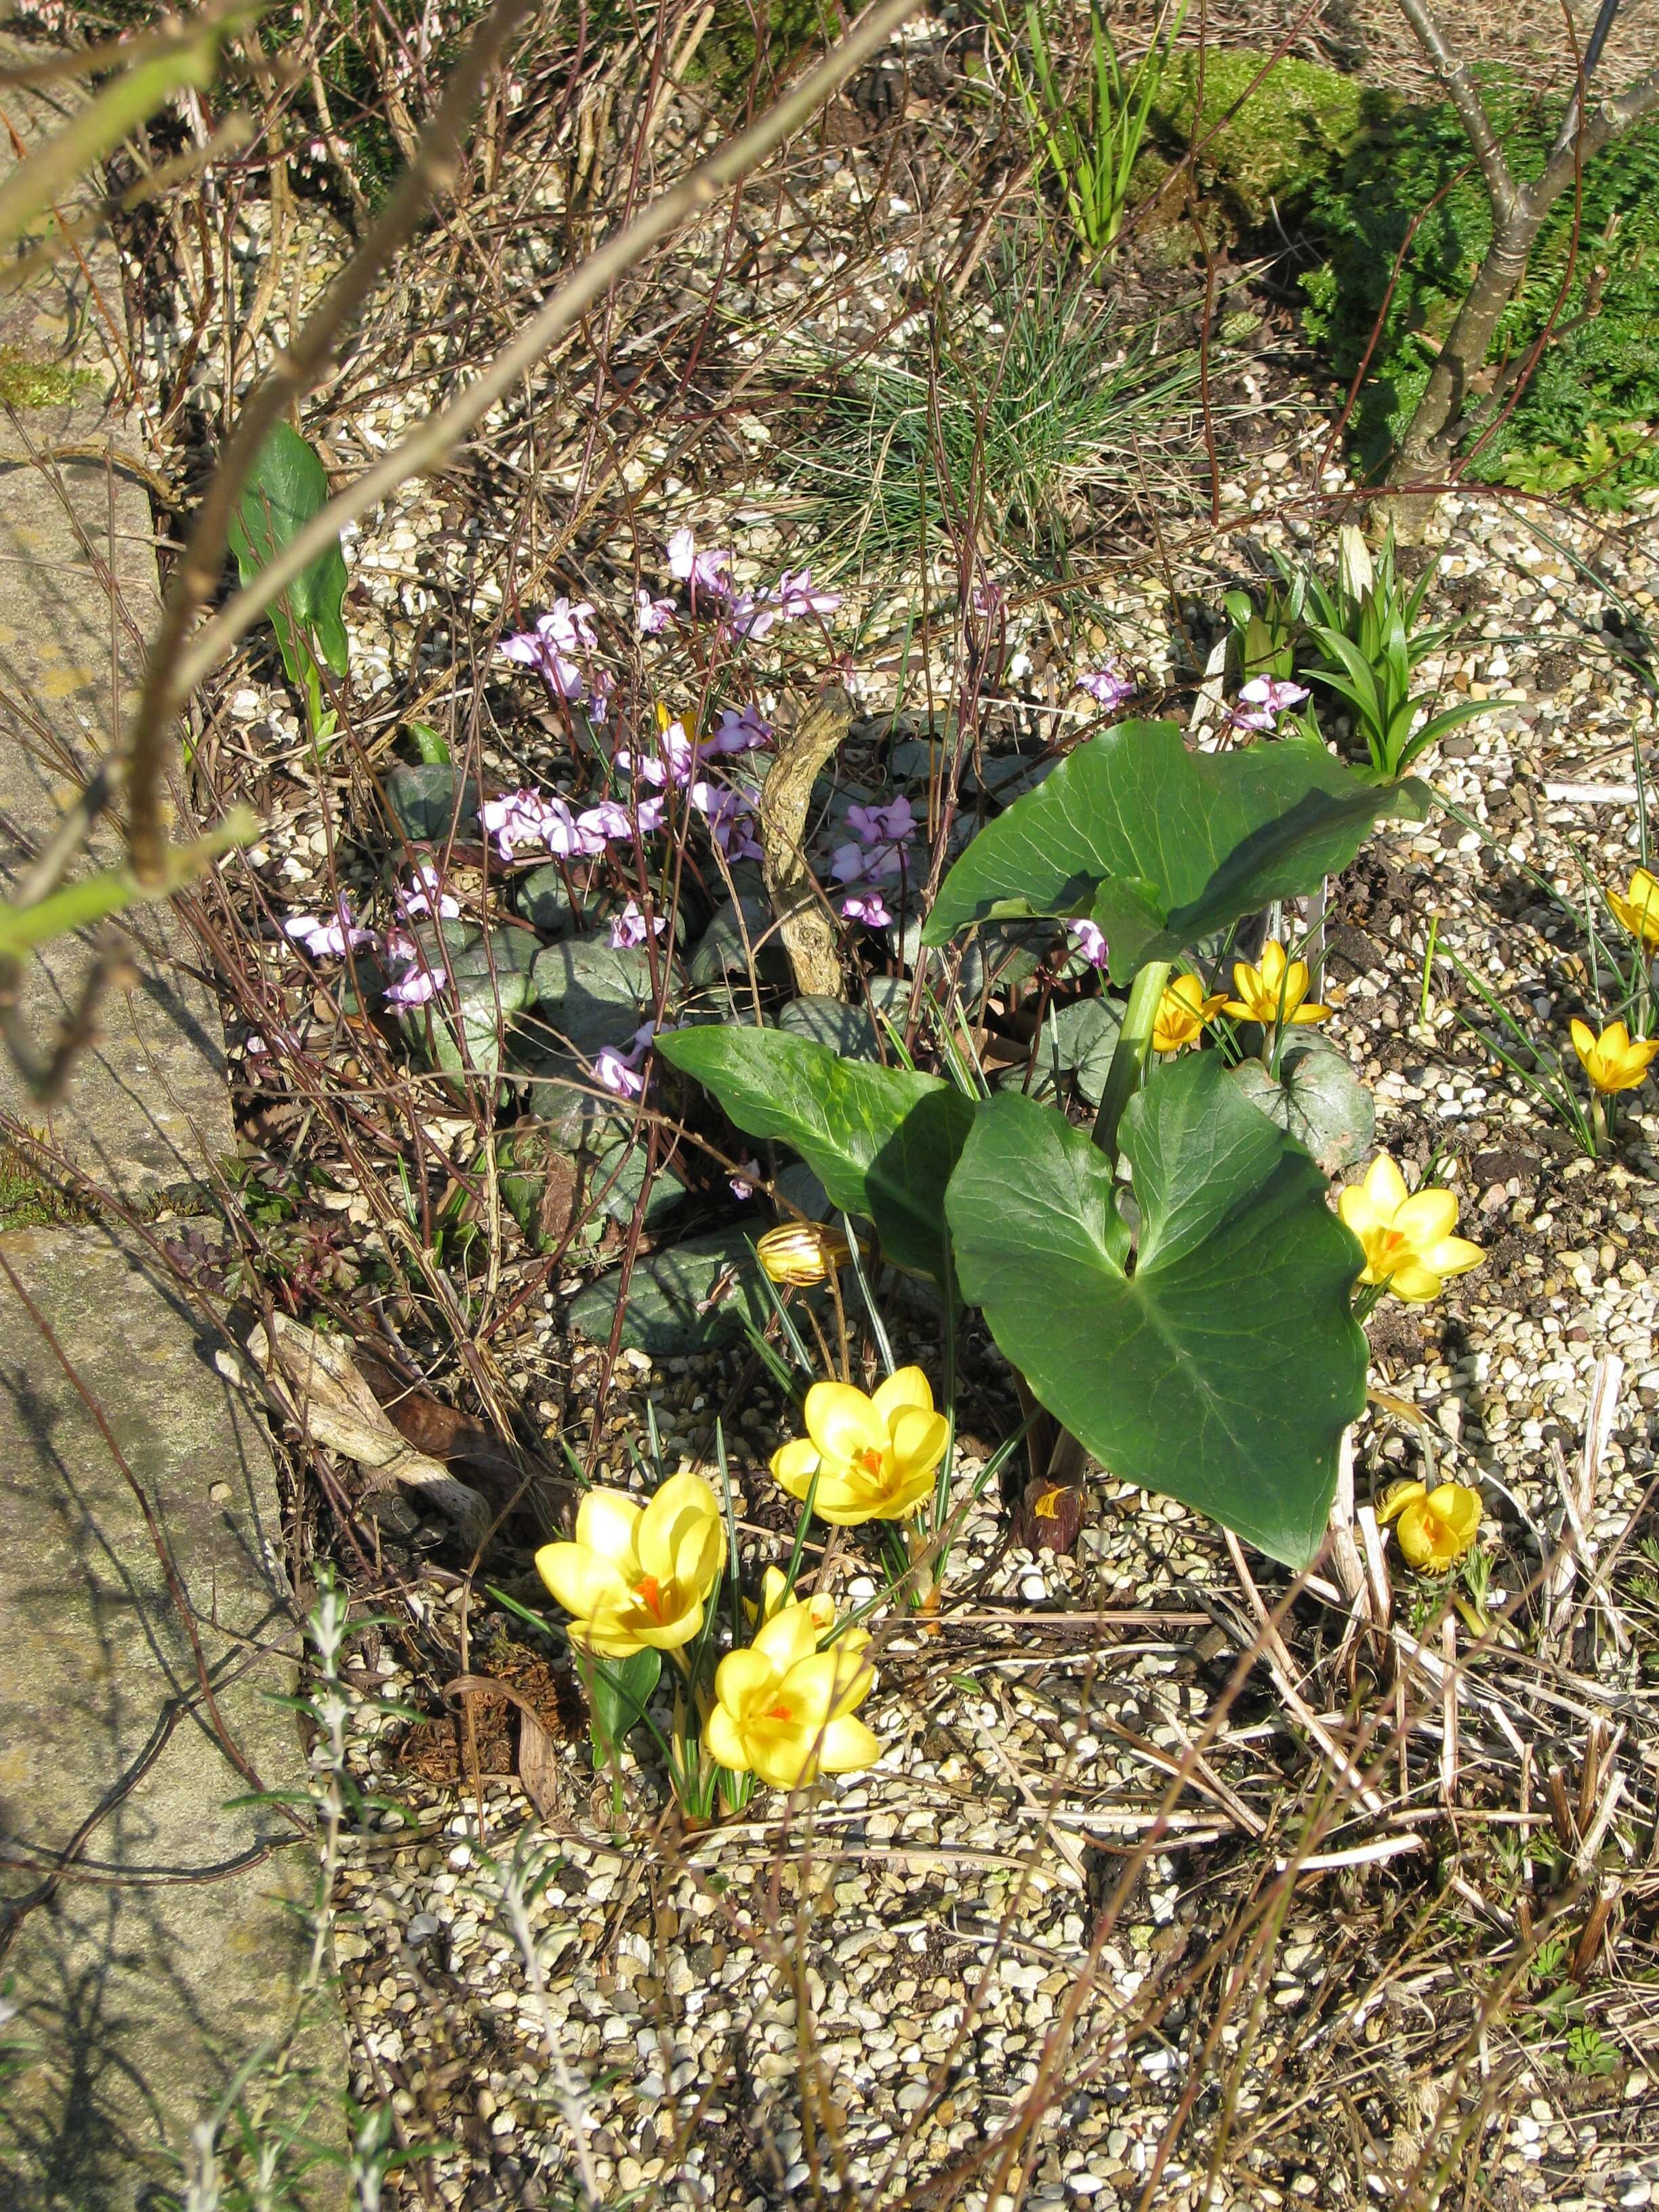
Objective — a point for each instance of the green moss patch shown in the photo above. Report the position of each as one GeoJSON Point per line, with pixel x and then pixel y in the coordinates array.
{"type": "Point", "coordinates": [1293, 132]}
{"type": "Point", "coordinates": [27, 381]}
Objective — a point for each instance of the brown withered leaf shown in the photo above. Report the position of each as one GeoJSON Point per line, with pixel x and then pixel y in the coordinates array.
{"type": "Point", "coordinates": [430, 1425]}
{"type": "Point", "coordinates": [521, 1709]}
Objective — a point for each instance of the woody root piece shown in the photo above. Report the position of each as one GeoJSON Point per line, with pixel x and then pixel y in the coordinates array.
{"type": "Point", "coordinates": [809, 934]}
{"type": "Point", "coordinates": [314, 1380]}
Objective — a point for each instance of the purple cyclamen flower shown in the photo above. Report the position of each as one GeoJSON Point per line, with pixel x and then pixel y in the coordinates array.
{"type": "Point", "coordinates": [740, 730]}
{"type": "Point", "coordinates": [1261, 701]}
{"type": "Point", "coordinates": [609, 822]}
{"type": "Point", "coordinates": [706, 572]}
{"type": "Point", "coordinates": [742, 1185]}
{"type": "Point", "coordinates": [1090, 942]}
{"type": "Point", "coordinates": [882, 824]}
{"type": "Point", "coordinates": [547, 647]}
{"type": "Point", "coordinates": [632, 927]}
{"type": "Point", "coordinates": [728, 814]}
{"type": "Point", "coordinates": [796, 597]}
{"type": "Point", "coordinates": [652, 617]}
{"type": "Point", "coordinates": [426, 895]}
{"type": "Point", "coordinates": [619, 1071]}
{"type": "Point", "coordinates": [327, 940]}
{"type": "Point", "coordinates": [515, 818]}
{"type": "Point", "coordinates": [415, 990]}
{"type": "Point", "coordinates": [868, 908]}
{"type": "Point", "coordinates": [1108, 687]}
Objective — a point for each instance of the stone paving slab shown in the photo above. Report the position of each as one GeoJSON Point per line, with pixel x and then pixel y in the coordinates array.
{"type": "Point", "coordinates": [167, 1952]}
{"type": "Point", "coordinates": [78, 596]}
{"type": "Point", "coordinates": [140, 1995]}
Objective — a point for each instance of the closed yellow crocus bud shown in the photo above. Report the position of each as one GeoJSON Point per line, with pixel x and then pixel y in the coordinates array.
{"type": "Point", "coordinates": [802, 1253]}
{"type": "Point", "coordinates": [784, 1711]}
{"type": "Point", "coordinates": [1182, 1013]}
{"type": "Point", "coordinates": [1615, 1061]}
{"type": "Point", "coordinates": [1436, 1526]}
{"type": "Point", "coordinates": [638, 1575]}
{"type": "Point", "coordinates": [1274, 990]}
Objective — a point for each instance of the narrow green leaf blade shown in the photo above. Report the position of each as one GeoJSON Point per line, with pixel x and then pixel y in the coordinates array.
{"type": "Point", "coordinates": [1224, 1364]}
{"type": "Point", "coordinates": [881, 1141]}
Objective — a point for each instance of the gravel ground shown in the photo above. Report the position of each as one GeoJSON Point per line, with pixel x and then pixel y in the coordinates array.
{"type": "Point", "coordinates": [856, 1999]}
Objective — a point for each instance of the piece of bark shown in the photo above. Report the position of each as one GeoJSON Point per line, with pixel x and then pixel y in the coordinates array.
{"type": "Point", "coordinates": [808, 933]}
{"type": "Point", "coordinates": [315, 1379]}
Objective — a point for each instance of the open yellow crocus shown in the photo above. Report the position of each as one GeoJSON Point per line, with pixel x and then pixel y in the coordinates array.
{"type": "Point", "coordinates": [1274, 990]}
{"type": "Point", "coordinates": [874, 1457]}
{"type": "Point", "coordinates": [638, 1575]}
{"type": "Point", "coordinates": [1639, 909]}
{"type": "Point", "coordinates": [784, 1711]}
{"type": "Point", "coordinates": [1406, 1235]}
{"type": "Point", "coordinates": [1436, 1526]}
{"type": "Point", "coordinates": [1615, 1061]}
{"type": "Point", "coordinates": [1182, 1012]}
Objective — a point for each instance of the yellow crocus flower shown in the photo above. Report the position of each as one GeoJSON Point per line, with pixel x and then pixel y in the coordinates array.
{"type": "Point", "coordinates": [802, 1253]}
{"type": "Point", "coordinates": [1275, 990]}
{"type": "Point", "coordinates": [1436, 1526]}
{"type": "Point", "coordinates": [1406, 1235]}
{"type": "Point", "coordinates": [1615, 1061]}
{"type": "Point", "coordinates": [638, 1575]}
{"type": "Point", "coordinates": [774, 1594]}
{"type": "Point", "coordinates": [1182, 1011]}
{"type": "Point", "coordinates": [783, 1710]}
{"type": "Point", "coordinates": [872, 1458]}
{"type": "Point", "coordinates": [1639, 909]}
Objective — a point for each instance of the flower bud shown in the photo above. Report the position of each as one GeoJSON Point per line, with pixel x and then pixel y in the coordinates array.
{"type": "Point", "coordinates": [802, 1252]}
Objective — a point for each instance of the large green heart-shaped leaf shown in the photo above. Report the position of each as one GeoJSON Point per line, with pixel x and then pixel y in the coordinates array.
{"type": "Point", "coordinates": [1215, 1356]}
{"type": "Point", "coordinates": [881, 1141]}
{"type": "Point", "coordinates": [1161, 846]}
{"type": "Point", "coordinates": [285, 486]}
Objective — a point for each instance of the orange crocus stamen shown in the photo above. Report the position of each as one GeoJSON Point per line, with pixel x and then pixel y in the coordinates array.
{"type": "Point", "coordinates": [647, 1591]}
{"type": "Point", "coordinates": [869, 1458]}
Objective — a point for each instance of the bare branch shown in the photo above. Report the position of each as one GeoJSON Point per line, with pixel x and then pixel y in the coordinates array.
{"type": "Point", "coordinates": [175, 676]}
{"type": "Point", "coordinates": [1610, 121]}
{"type": "Point", "coordinates": [1477, 124]}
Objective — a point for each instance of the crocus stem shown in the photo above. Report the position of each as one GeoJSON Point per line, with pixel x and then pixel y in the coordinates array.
{"type": "Point", "coordinates": [1134, 1044]}
{"type": "Point", "coordinates": [1599, 1129]}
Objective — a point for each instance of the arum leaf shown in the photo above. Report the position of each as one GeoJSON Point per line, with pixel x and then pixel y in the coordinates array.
{"type": "Point", "coordinates": [881, 1141]}
{"type": "Point", "coordinates": [1163, 846]}
{"type": "Point", "coordinates": [1218, 1361]}
{"type": "Point", "coordinates": [1316, 1098]}
{"type": "Point", "coordinates": [285, 486]}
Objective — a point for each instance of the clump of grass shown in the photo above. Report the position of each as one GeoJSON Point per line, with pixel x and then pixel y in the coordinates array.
{"type": "Point", "coordinates": [26, 381]}
{"type": "Point", "coordinates": [1022, 425]}
{"type": "Point", "coordinates": [27, 1201]}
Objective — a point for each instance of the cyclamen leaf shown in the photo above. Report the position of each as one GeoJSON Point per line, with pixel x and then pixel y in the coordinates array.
{"type": "Point", "coordinates": [1163, 846]}
{"type": "Point", "coordinates": [881, 1141]}
{"type": "Point", "coordinates": [1221, 1363]}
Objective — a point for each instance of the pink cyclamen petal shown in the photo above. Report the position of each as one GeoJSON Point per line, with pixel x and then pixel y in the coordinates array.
{"type": "Point", "coordinates": [1091, 942]}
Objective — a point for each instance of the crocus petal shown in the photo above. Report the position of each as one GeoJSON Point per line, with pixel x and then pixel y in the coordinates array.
{"type": "Point", "coordinates": [790, 1638]}
{"type": "Point", "coordinates": [846, 1745]}
{"type": "Point", "coordinates": [581, 1581]}
{"type": "Point", "coordinates": [1385, 1187]}
{"type": "Point", "coordinates": [1427, 1217]}
{"type": "Point", "coordinates": [684, 1507]}
{"type": "Point", "coordinates": [919, 1439]}
{"type": "Point", "coordinates": [841, 1421]}
{"type": "Point", "coordinates": [793, 1466]}
{"type": "Point", "coordinates": [724, 1742]}
{"type": "Point", "coordinates": [1414, 1283]}
{"type": "Point", "coordinates": [667, 1635]}
{"type": "Point", "coordinates": [608, 1522]}
{"type": "Point", "coordinates": [743, 1679]}
{"type": "Point", "coordinates": [909, 1387]}
{"type": "Point", "coordinates": [1453, 1255]}
{"type": "Point", "coordinates": [1395, 1498]}
{"type": "Point", "coordinates": [829, 1683]}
